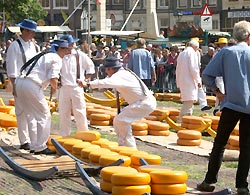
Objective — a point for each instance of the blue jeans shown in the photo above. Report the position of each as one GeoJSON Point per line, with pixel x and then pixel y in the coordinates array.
{"type": "Point", "coordinates": [228, 120]}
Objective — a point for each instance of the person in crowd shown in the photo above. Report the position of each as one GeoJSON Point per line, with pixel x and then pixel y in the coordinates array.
{"type": "Point", "coordinates": [232, 64]}
{"type": "Point", "coordinates": [114, 53]}
{"type": "Point", "coordinates": [161, 35]}
{"type": "Point", "coordinates": [188, 78]}
{"type": "Point", "coordinates": [171, 68]}
{"type": "Point", "coordinates": [74, 67]}
{"type": "Point", "coordinates": [84, 47]}
{"type": "Point", "coordinates": [142, 64]}
{"type": "Point", "coordinates": [98, 60]}
{"type": "Point", "coordinates": [205, 59]}
{"type": "Point", "coordinates": [107, 51]}
{"type": "Point", "coordinates": [140, 99]}
{"type": "Point", "coordinates": [29, 90]}
{"type": "Point", "coordinates": [126, 56]}
{"type": "Point", "coordinates": [18, 53]}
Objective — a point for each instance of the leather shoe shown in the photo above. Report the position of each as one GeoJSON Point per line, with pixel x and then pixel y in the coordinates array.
{"type": "Point", "coordinates": [32, 151]}
{"type": "Point", "coordinates": [206, 108]}
{"type": "Point", "coordinates": [25, 146]}
{"type": "Point", "coordinates": [242, 191]}
{"type": "Point", "coordinates": [205, 187]}
{"type": "Point", "coordinates": [46, 151]}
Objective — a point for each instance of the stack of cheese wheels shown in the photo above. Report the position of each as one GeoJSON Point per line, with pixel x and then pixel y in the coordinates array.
{"type": "Point", "coordinates": [49, 143]}
{"type": "Point", "coordinates": [126, 183]}
{"type": "Point", "coordinates": [107, 172]}
{"type": "Point", "coordinates": [88, 136]}
{"type": "Point", "coordinates": [94, 155]}
{"type": "Point", "coordinates": [139, 128]}
{"type": "Point", "coordinates": [77, 148]}
{"type": "Point", "coordinates": [233, 143]}
{"type": "Point", "coordinates": [68, 145]}
{"type": "Point", "coordinates": [160, 113]}
{"type": "Point", "coordinates": [215, 121]}
{"type": "Point", "coordinates": [189, 138]}
{"type": "Point", "coordinates": [7, 120]}
{"type": "Point", "coordinates": [159, 96]}
{"type": "Point", "coordinates": [12, 102]}
{"type": "Point", "coordinates": [94, 111]}
{"type": "Point", "coordinates": [158, 128]}
{"type": "Point", "coordinates": [173, 113]}
{"type": "Point", "coordinates": [99, 119]}
{"type": "Point", "coordinates": [6, 109]}
{"type": "Point", "coordinates": [86, 151]}
{"type": "Point", "coordinates": [151, 159]}
{"type": "Point", "coordinates": [165, 181]}
{"type": "Point", "coordinates": [236, 130]}
{"type": "Point", "coordinates": [195, 122]}
{"type": "Point", "coordinates": [211, 100]}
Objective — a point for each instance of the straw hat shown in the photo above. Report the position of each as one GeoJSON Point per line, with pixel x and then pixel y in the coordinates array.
{"type": "Point", "coordinates": [222, 41]}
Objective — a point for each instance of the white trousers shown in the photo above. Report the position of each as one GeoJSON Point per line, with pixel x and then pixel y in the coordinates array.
{"type": "Point", "coordinates": [33, 103]}
{"type": "Point", "coordinates": [71, 98]}
{"type": "Point", "coordinates": [186, 109]}
{"type": "Point", "coordinates": [220, 84]}
{"type": "Point", "coordinates": [129, 114]}
{"type": "Point", "coordinates": [202, 97]}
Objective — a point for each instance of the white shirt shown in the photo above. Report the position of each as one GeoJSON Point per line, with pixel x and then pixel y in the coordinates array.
{"type": "Point", "coordinates": [47, 67]}
{"type": "Point", "coordinates": [14, 58]}
{"type": "Point", "coordinates": [69, 68]}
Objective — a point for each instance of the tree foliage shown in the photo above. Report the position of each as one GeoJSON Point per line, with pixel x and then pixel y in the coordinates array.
{"type": "Point", "coordinates": [17, 10]}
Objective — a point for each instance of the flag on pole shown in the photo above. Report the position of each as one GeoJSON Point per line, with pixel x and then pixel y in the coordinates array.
{"type": "Point", "coordinates": [98, 1]}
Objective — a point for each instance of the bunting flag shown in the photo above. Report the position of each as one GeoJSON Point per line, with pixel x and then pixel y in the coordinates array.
{"type": "Point", "coordinates": [98, 1]}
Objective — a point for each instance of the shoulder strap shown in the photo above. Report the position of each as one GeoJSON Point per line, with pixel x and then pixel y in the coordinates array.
{"type": "Point", "coordinates": [22, 50]}
{"type": "Point", "coordinates": [77, 65]}
{"type": "Point", "coordinates": [32, 61]}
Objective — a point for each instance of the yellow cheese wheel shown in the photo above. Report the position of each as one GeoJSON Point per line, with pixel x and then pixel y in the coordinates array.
{"type": "Point", "coordinates": [107, 172]}
{"type": "Point", "coordinates": [168, 189]}
{"type": "Point", "coordinates": [152, 118]}
{"type": "Point", "coordinates": [12, 102]}
{"type": "Point", "coordinates": [140, 132]}
{"type": "Point", "coordinates": [194, 126]}
{"type": "Point", "coordinates": [173, 117]}
{"type": "Point", "coordinates": [160, 112]}
{"type": "Point", "coordinates": [215, 119]}
{"type": "Point", "coordinates": [214, 127]}
{"type": "Point", "coordinates": [111, 157]}
{"type": "Point", "coordinates": [150, 168]}
{"type": "Point", "coordinates": [158, 126]}
{"type": "Point", "coordinates": [77, 148]}
{"type": "Point", "coordinates": [88, 135]}
{"type": "Point", "coordinates": [138, 126]}
{"type": "Point", "coordinates": [64, 139]}
{"type": "Point", "coordinates": [95, 155]}
{"type": "Point", "coordinates": [100, 141]}
{"type": "Point", "coordinates": [125, 179]}
{"type": "Point", "coordinates": [52, 148]}
{"type": "Point", "coordinates": [120, 148]}
{"type": "Point", "coordinates": [130, 152]}
{"type": "Point", "coordinates": [106, 186]}
{"type": "Point", "coordinates": [54, 137]}
{"type": "Point", "coordinates": [234, 140]}
{"type": "Point", "coordinates": [135, 190]}
{"type": "Point", "coordinates": [184, 125]}
{"type": "Point", "coordinates": [187, 142]}
{"type": "Point", "coordinates": [189, 134]}
{"type": "Point", "coordinates": [151, 159]}
{"type": "Point", "coordinates": [159, 133]}
{"type": "Point", "coordinates": [70, 143]}
{"type": "Point", "coordinates": [8, 121]}
{"type": "Point", "coordinates": [99, 117]}
{"type": "Point", "coordinates": [99, 123]}
{"type": "Point", "coordinates": [192, 119]}
{"type": "Point", "coordinates": [85, 151]}
{"type": "Point", "coordinates": [168, 177]}
{"type": "Point", "coordinates": [108, 144]}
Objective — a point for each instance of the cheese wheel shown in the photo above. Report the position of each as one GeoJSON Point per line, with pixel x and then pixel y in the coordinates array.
{"type": "Point", "coordinates": [108, 144]}
{"type": "Point", "coordinates": [168, 188]}
{"type": "Point", "coordinates": [234, 140]}
{"type": "Point", "coordinates": [125, 179]}
{"type": "Point", "coordinates": [189, 134]}
{"type": "Point", "coordinates": [88, 135]}
{"type": "Point", "coordinates": [159, 133]}
{"type": "Point", "coordinates": [12, 102]}
{"type": "Point", "coordinates": [168, 177]}
{"type": "Point", "coordinates": [194, 119]}
{"type": "Point", "coordinates": [150, 168]}
{"type": "Point", "coordinates": [152, 118]}
{"type": "Point", "coordinates": [99, 117]}
{"type": "Point", "coordinates": [70, 143]}
{"type": "Point", "coordinates": [160, 112]}
{"type": "Point", "coordinates": [121, 148]}
{"type": "Point", "coordinates": [158, 126]}
{"type": "Point", "coordinates": [215, 119]}
{"type": "Point", "coordinates": [149, 158]}
{"type": "Point", "coordinates": [138, 126]}
{"type": "Point", "coordinates": [99, 123]}
{"type": "Point", "coordinates": [64, 139]}
{"type": "Point", "coordinates": [100, 141]}
{"type": "Point", "coordinates": [130, 152]}
{"type": "Point", "coordinates": [133, 190]}
{"type": "Point", "coordinates": [107, 172]}
{"type": "Point", "coordinates": [6, 109]}
{"type": "Point", "coordinates": [109, 158]}
{"type": "Point", "coordinates": [173, 117]}
{"type": "Point", "coordinates": [184, 125]}
{"type": "Point", "coordinates": [187, 142]}
{"type": "Point", "coordinates": [95, 155]}
{"type": "Point", "coordinates": [106, 186]}
{"type": "Point", "coordinates": [77, 148]}
{"type": "Point", "coordinates": [52, 148]}
{"type": "Point", "coordinates": [8, 121]}
{"type": "Point", "coordinates": [85, 151]}
{"type": "Point", "coordinates": [140, 132]}
{"type": "Point", "coordinates": [54, 137]}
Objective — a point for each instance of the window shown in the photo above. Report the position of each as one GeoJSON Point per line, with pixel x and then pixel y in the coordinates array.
{"type": "Point", "coordinates": [212, 3]}
{"type": "Point", "coordinates": [196, 3]}
{"type": "Point", "coordinates": [140, 5]}
{"type": "Point", "coordinates": [45, 4]}
{"type": "Point", "coordinates": [164, 22]}
{"type": "Point", "coordinates": [182, 3]}
{"type": "Point", "coordinates": [59, 4]}
{"type": "Point", "coordinates": [117, 2]}
{"type": "Point", "coordinates": [163, 4]}
{"type": "Point", "coordinates": [76, 3]}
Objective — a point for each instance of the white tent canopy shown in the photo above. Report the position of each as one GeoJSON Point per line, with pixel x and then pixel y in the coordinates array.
{"type": "Point", "coordinates": [16, 29]}
{"type": "Point", "coordinates": [114, 33]}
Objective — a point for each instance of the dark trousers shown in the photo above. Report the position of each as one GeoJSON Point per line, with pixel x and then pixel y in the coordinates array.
{"type": "Point", "coordinates": [228, 120]}
{"type": "Point", "coordinates": [148, 83]}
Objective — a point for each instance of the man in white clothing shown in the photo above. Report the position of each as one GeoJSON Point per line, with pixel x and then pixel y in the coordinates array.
{"type": "Point", "coordinates": [140, 99]}
{"type": "Point", "coordinates": [188, 78]}
{"type": "Point", "coordinates": [71, 98]}
{"type": "Point", "coordinates": [19, 52]}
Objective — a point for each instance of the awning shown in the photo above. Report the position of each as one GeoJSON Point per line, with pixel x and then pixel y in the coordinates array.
{"type": "Point", "coordinates": [113, 33]}
{"type": "Point", "coordinates": [169, 40]}
{"type": "Point", "coordinates": [16, 29]}
{"type": "Point", "coordinates": [219, 34]}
